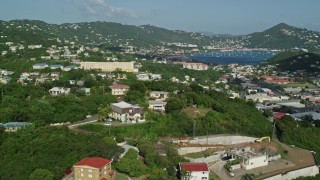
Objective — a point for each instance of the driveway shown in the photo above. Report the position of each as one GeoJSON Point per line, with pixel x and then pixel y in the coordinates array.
{"type": "Point", "coordinates": [126, 148]}
{"type": "Point", "coordinates": [218, 169]}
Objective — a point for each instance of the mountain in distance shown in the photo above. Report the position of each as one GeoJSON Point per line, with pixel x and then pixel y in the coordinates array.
{"type": "Point", "coordinates": [281, 36]}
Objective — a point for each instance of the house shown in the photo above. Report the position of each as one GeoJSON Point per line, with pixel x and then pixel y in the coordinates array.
{"type": "Point", "coordinates": [127, 113]}
{"type": "Point", "coordinates": [250, 159]}
{"type": "Point", "coordinates": [143, 77]}
{"type": "Point", "coordinates": [158, 105]}
{"type": "Point", "coordinates": [194, 171]}
{"type": "Point", "coordinates": [156, 76]}
{"type": "Point", "coordinates": [59, 91]}
{"type": "Point", "coordinates": [93, 168]}
{"type": "Point", "coordinates": [119, 89]}
{"type": "Point", "coordinates": [159, 95]}
{"type": "Point", "coordinates": [40, 66]}
{"type": "Point", "coordinates": [251, 162]}
{"type": "Point", "coordinates": [56, 66]}
{"type": "Point", "coordinates": [14, 126]}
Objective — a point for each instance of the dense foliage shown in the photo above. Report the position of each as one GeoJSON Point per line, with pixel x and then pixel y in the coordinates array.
{"type": "Point", "coordinates": [308, 62]}
{"type": "Point", "coordinates": [55, 149]}
{"type": "Point", "coordinates": [131, 165]}
{"type": "Point", "coordinates": [301, 134]}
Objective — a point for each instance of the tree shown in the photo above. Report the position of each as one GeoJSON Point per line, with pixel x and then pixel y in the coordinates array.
{"type": "Point", "coordinates": [41, 174]}
{"type": "Point", "coordinates": [175, 104]}
{"type": "Point", "coordinates": [138, 86]}
{"type": "Point", "coordinates": [130, 164]}
{"type": "Point", "coordinates": [103, 112]}
{"type": "Point", "coordinates": [267, 113]}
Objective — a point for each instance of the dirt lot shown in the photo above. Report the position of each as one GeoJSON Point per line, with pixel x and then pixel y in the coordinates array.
{"type": "Point", "coordinates": [295, 158]}
{"type": "Point", "coordinates": [300, 158]}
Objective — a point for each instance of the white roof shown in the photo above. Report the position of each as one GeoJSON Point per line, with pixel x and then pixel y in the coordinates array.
{"type": "Point", "coordinates": [122, 104]}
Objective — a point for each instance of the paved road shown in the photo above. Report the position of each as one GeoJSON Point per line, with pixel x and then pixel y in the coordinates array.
{"type": "Point", "coordinates": [88, 120]}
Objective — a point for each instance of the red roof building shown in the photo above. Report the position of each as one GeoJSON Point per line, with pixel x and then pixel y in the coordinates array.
{"type": "Point", "coordinates": [94, 168]}
{"type": "Point", "coordinates": [194, 170]}
{"type": "Point", "coordinates": [119, 89]}
{"type": "Point", "coordinates": [119, 86]}
{"type": "Point", "coordinates": [279, 115]}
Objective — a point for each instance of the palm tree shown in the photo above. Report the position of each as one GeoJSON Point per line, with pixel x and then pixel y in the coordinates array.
{"type": "Point", "coordinates": [103, 112]}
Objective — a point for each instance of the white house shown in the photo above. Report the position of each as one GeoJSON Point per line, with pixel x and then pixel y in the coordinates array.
{"type": "Point", "coordinates": [40, 66]}
{"type": "Point", "coordinates": [157, 105]}
{"type": "Point", "coordinates": [59, 91]}
{"type": "Point", "coordinates": [143, 77]}
{"type": "Point", "coordinates": [159, 95]}
{"type": "Point", "coordinates": [127, 113]}
{"type": "Point", "coordinates": [194, 171]}
{"type": "Point", "coordinates": [155, 76]}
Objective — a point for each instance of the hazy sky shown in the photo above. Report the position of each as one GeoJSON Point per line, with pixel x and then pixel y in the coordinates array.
{"type": "Point", "coordinates": [217, 16]}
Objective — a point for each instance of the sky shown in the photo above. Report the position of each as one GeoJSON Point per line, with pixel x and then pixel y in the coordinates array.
{"type": "Point", "coordinates": [215, 16]}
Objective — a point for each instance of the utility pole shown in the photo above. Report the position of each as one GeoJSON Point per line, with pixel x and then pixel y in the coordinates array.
{"type": "Point", "coordinates": [194, 128]}
{"type": "Point", "coordinates": [273, 131]}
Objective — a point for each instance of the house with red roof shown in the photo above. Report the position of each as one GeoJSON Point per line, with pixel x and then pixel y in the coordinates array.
{"type": "Point", "coordinates": [119, 89]}
{"type": "Point", "coordinates": [278, 115]}
{"type": "Point", "coordinates": [194, 171]}
{"type": "Point", "coordinates": [93, 168]}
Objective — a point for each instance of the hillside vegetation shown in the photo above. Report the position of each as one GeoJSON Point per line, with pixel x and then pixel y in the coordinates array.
{"type": "Point", "coordinates": [294, 61]}
{"type": "Point", "coordinates": [281, 36]}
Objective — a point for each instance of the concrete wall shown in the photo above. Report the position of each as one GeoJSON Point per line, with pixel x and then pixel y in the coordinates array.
{"type": "Point", "coordinates": [309, 171]}
{"type": "Point", "coordinates": [187, 150]}
{"type": "Point", "coordinates": [223, 139]}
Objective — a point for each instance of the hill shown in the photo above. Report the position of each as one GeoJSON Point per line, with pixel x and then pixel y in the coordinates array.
{"type": "Point", "coordinates": [281, 36]}
{"type": "Point", "coordinates": [294, 61]}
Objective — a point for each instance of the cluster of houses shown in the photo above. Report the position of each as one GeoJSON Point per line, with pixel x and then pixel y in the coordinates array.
{"type": "Point", "coordinates": [148, 76]}
{"type": "Point", "coordinates": [193, 66]}
{"type": "Point", "coordinates": [5, 76]}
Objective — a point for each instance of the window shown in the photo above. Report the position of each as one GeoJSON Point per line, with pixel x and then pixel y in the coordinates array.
{"type": "Point", "coordinates": [90, 175]}
{"type": "Point", "coordinates": [81, 174]}
{"type": "Point", "coordinates": [81, 169]}
{"type": "Point", "coordinates": [89, 170]}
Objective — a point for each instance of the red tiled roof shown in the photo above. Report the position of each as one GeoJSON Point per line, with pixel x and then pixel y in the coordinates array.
{"type": "Point", "coordinates": [95, 162]}
{"type": "Point", "coordinates": [119, 86]}
{"type": "Point", "coordinates": [194, 166]}
{"type": "Point", "coordinates": [279, 115]}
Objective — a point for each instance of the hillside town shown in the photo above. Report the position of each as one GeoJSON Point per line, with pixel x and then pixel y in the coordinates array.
{"type": "Point", "coordinates": [111, 101]}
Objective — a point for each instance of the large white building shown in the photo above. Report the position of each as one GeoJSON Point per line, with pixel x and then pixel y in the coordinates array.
{"type": "Point", "coordinates": [109, 66]}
